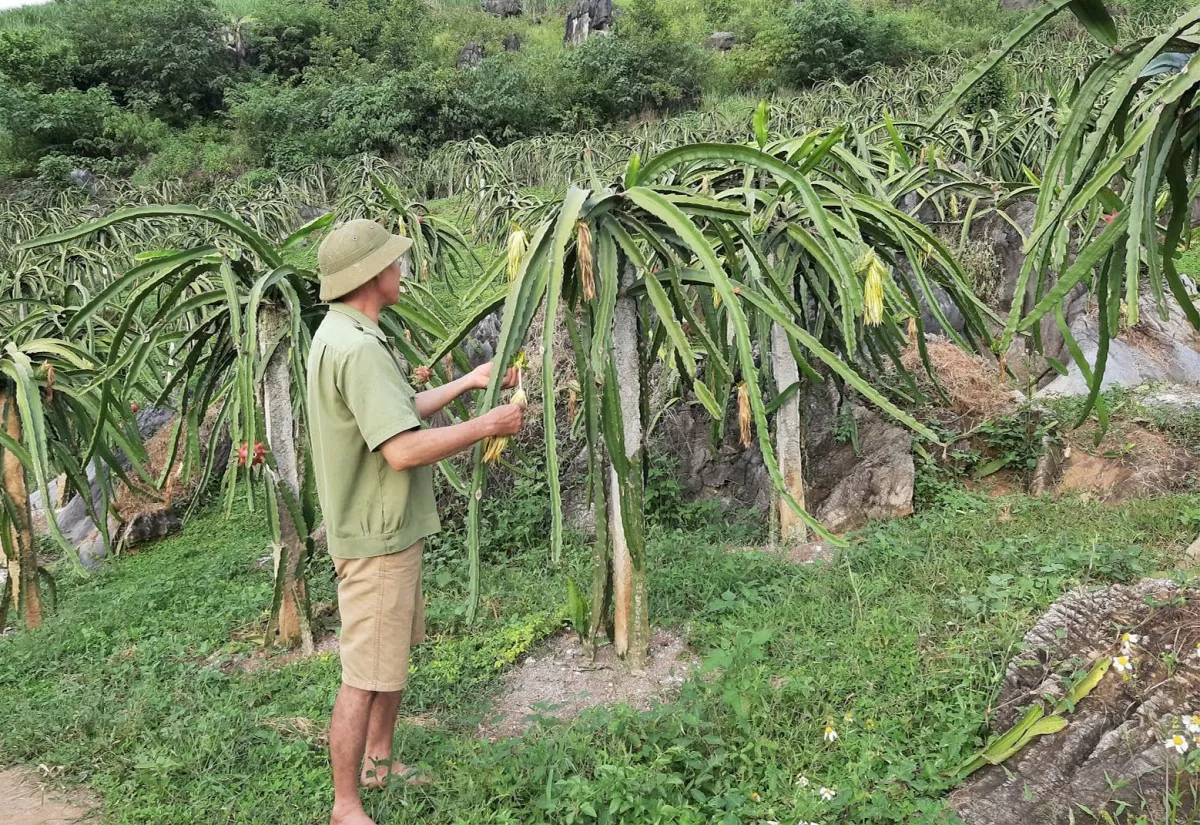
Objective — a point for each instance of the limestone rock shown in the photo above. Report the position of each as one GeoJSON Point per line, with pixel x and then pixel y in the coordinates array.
{"type": "Point", "coordinates": [470, 56]}
{"type": "Point", "coordinates": [845, 488]}
{"type": "Point", "coordinates": [721, 41]}
{"type": "Point", "coordinates": [1111, 753]}
{"type": "Point", "coordinates": [504, 8]}
{"type": "Point", "coordinates": [587, 17]}
{"type": "Point", "coordinates": [1154, 351]}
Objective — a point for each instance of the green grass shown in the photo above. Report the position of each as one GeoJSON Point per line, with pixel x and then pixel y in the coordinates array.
{"type": "Point", "coordinates": [909, 631]}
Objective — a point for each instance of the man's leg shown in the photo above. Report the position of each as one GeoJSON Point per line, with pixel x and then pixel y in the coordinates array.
{"type": "Point", "coordinates": [377, 763]}
{"type": "Point", "coordinates": [347, 741]}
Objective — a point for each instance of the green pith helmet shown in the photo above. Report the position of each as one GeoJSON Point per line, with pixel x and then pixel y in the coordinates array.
{"type": "Point", "coordinates": [354, 253]}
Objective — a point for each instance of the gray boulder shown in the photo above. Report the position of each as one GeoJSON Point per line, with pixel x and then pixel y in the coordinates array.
{"type": "Point", "coordinates": [587, 17]}
{"type": "Point", "coordinates": [845, 488]}
{"type": "Point", "coordinates": [1154, 351]}
{"type": "Point", "coordinates": [470, 56]}
{"type": "Point", "coordinates": [721, 41]}
{"type": "Point", "coordinates": [504, 8]}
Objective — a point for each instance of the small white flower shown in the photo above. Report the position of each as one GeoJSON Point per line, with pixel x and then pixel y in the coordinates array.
{"type": "Point", "coordinates": [831, 735]}
{"type": "Point", "coordinates": [771, 822]}
{"type": "Point", "coordinates": [849, 717]}
{"type": "Point", "coordinates": [1177, 743]}
{"type": "Point", "coordinates": [829, 793]}
{"type": "Point", "coordinates": [1192, 723]}
{"type": "Point", "coordinates": [802, 782]}
{"type": "Point", "coordinates": [1122, 664]}
{"type": "Point", "coordinates": [1128, 641]}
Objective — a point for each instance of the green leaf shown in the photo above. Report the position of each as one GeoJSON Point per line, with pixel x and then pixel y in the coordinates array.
{"type": "Point", "coordinates": [761, 118]}
{"type": "Point", "coordinates": [1095, 18]}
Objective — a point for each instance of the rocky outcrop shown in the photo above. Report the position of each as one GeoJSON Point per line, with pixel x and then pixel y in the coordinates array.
{"type": "Point", "coordinates": [1110, 757]}
{"type": "Point", "coordinates": [504, 8]}
{"type": "Point", "coordinates": [588, 17]}
{"type": "Point", "coordinates": [854, 472]}
{"type": "Point", "coordinates": [721, 41]}
{"type": "Point", "coordinates": [134, 517]}
{"type": "Point", "coordinates": [1155, 350]}
{"type": "Point", "coordinates": [729, 473]}
{"type": "Point", "coordinates": [470, 56]}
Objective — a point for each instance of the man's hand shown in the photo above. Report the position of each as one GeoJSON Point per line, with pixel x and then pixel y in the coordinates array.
{"type": "Point", "coordinates": [482, 375]}
{"type": "Point", "coordinates": [506, 419]}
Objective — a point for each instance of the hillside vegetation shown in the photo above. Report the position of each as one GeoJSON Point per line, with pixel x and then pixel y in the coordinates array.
{"type": "Point", "coordinates": [168, 88]}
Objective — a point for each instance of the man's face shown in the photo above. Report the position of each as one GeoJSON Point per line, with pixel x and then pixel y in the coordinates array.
{"type": "Point", "coordinates": [389, 280]}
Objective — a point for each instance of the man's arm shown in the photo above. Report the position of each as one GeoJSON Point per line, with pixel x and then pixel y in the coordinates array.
{"type": "Point", "coordinates": [430, 402]}
{"type": "Point", "coordinates": [417, 448]}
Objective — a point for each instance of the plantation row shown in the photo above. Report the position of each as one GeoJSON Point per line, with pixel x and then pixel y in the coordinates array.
{"type": "Point", "coordinates": [745, 269]}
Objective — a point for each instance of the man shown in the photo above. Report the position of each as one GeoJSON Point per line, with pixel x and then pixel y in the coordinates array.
{"type": "Point", "coordinates": [372, 462]}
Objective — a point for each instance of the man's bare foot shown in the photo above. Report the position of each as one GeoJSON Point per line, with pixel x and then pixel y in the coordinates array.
{"type": "Point", "coordinates": [350, 815]}
{"type": "Point", "coordinates": [378, 774]}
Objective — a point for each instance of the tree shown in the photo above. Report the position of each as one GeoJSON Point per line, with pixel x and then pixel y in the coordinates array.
{"type": "Point", "coordinates": [1116, 194]}
{"type": "Point", "coordinates": [165, 55]}
{"type": "Point", "coordinates": [684, 258]}
{"type": "Point", "coordinates": [51, 412]}
{"type": "Point", "coordinates": [235, 312]}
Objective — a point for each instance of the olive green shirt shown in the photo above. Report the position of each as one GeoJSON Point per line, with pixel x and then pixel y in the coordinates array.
{"type": "Point", "coordinates": [357, 400]}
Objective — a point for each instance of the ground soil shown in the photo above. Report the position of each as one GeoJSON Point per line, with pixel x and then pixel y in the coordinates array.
{"type": "Point", "coordinates": [558, 681]}
{"type": "Point", "coordinates": [26, 800]}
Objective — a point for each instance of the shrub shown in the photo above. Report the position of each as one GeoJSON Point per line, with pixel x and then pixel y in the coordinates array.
{"type": "Point", "coordinates": [282, 36]}
{"type": "Point", "coordinates": [280, 125]}
{"type": "Point", "coordinates": [826, 39]}
{"type": "Point", "coordinates": [993, 91]}
{"type": "Point", "coordinates": [67, 121]}
{"type": "Point", "coordinates": [164, 54]}
{"type": "Point", "coordinates": [640, 68]}
{"type": "Point", "coordinates": [32, 56]}
{"type": "Point", "coordinates": [203, 149]}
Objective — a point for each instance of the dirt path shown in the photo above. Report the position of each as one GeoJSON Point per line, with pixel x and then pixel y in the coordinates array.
{"type": "Point", "coordinates": [24, 801]}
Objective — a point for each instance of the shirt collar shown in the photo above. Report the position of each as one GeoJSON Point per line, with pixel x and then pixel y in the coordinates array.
{"type": "Point", "coordinates": [360, 320]}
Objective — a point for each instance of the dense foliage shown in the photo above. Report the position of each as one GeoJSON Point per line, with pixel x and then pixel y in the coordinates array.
{"type": "Point", "coordinates": [179, 87]}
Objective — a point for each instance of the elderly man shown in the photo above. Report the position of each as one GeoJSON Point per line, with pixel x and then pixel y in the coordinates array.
{"type": "Point", "coordinates": [374, 478]}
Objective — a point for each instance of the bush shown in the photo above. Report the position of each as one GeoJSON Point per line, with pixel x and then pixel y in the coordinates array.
{"type": "Point", "coordinates": [993, 91]}
{"type": "Point", "coordinates": [827, 39]}
{"type": "Point", "coordinates": [640, 68]}
{"type": "Point", "coordinates": [280, 125]}
{"type": "Point", "coordinates": [200, 150]}
{"type": "Point", "coordinates": [282, 36]}
{"type": "Point", "coordinates": [165, 55]}
{"type": "Point", "coordinates": [32, 56]}
{"type": "Point", "coordinates": [507, 98]}
{"type": "Point", "coordinates": [402, 111]}
{"type": "Point", "coordinates": [65, 122]}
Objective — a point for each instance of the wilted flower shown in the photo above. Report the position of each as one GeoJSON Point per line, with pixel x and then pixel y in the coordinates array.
{"type": "Point", "coordinates": [849, 717]}
{"type": "Point", "coordinates": [803, 782]}
{"type": "Point", "coordinates": [1128, 640]}
{"type": "Point", "coordinates": [874, 270]}
{"type": "Point", "coordinates": [831, 735]}
{"type": "Point", "coordinates": [755, 797]}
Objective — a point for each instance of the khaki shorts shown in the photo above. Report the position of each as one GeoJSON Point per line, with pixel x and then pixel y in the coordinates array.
{"type": "Point", "coordinates": [383, 615]}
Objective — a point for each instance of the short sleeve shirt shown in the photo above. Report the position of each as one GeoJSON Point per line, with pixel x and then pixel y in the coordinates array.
{"type": "Point", "coordinates": [357, 400]}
